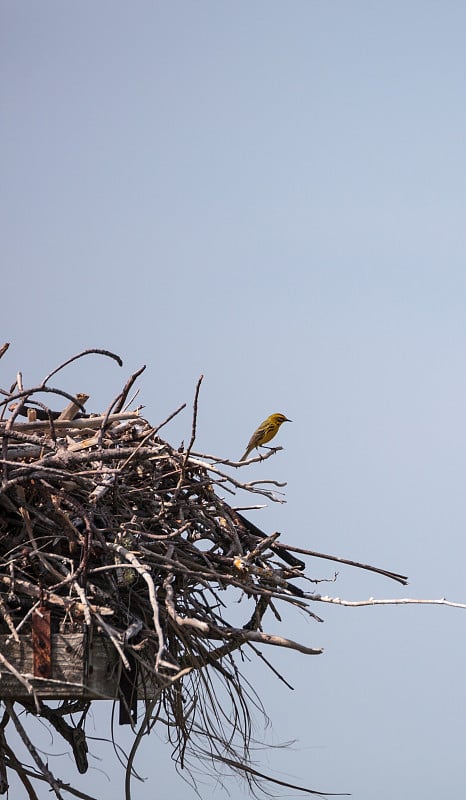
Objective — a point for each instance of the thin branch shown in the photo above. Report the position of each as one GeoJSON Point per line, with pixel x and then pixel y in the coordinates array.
{"type": "Point", "coordinates": [51, 780]}
{"type": "Point", "coordinates": [246, 768]}
{"type": "Point", "coordinates": [395, 576]}
{"type": "Point", "coordinates": [397, 601]}
{"type": "Point", "coordinates": [193, 432]}
{"type": "Point", "coordinates": [4, 348]}
{"type": "Point", "coordinates": [121, 399]}
{"type": "Point", "coordinates": [92, 350]}
{"type": "Point", "coordinates": [263, 638]}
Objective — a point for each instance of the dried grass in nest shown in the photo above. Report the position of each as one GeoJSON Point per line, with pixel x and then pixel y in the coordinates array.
{"type": "Point", "coordinates": [114, 529]}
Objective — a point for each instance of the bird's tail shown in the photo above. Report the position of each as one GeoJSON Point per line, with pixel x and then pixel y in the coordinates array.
{"type": "Point", "coordinates": [244, 457]}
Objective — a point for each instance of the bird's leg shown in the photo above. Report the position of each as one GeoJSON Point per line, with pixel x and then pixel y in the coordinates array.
{"type": "Point", "coordinates": [267, 447]}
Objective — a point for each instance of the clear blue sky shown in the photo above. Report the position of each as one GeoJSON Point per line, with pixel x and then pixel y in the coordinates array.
{"type": "Point", "coordinates": [271, 194]}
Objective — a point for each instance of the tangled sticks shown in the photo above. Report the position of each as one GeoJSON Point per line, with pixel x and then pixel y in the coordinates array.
{"type": "Point", "coordinates": [119, 567]}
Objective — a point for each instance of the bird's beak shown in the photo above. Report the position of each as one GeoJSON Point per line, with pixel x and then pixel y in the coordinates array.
{"type": "Point", "coordinates": [288, 420]}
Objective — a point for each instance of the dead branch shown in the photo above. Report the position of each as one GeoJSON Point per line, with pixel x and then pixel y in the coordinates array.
{"type": "Point", "coordinates": [396, 601]}
{"type": "Point", "coordinates": [395, 576]}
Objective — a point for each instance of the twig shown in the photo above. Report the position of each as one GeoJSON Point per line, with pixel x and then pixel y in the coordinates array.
{"type": "Point", "coordinates": [229, 463]}
{"type": "Point", "coordinates": [242, 767]}
{"type": "Point", "coordinates": [393, 575]}
{"type": "Point", "coordinates": [248, 487]}
{"type": "Point", "coordinates": [4, 348]}
{"type": "Point", "coordinates": [37, 776]}
{"type": "Point", "coordinates": [121, 399]}
{"type": "Point", "coordinates": [33, 752]}
{"type": "Point", "coordinates": [193, 432]}
{"type": "Point", "coordinates": [8, 619]}
{"type": "Point", "coordinates": [113, 636]}
{"type": "Point", "coordinates": [397, 601]}
{"type": "Point", "coordinates": [83, 597]}
{"type": "Point", "coordinates": [80, 355]}
{"type": "Point", "coordinates": [191, 622]}
{"type": "Point", "coordinates": [263, 638]}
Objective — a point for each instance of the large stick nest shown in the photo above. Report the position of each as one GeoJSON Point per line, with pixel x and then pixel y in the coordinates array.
{"type": "Point", "coordinates": [114, 529]}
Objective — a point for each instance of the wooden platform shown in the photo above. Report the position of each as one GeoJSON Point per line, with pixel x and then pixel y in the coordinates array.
{"type": "Point", "coordinates": [81, 666]}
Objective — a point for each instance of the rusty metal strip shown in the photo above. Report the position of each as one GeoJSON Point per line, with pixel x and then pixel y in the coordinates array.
{"type": "Point", "coordinates": [41, 643]}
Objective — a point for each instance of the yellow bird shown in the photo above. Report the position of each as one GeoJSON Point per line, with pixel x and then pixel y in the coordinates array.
{"type": "Point", "coordinates": [265, 432]}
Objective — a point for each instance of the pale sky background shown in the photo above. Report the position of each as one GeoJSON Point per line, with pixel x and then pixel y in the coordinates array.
{"type": "Point", "coordinates": [271, 194]}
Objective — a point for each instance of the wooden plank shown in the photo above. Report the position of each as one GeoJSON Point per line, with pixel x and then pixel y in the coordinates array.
{"type": "Point", "coordinates": [66, 666]}
{"type": "Point", "coordinates": [71, 675]}
{"type": "Point", "coordinates": [81, 667]}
